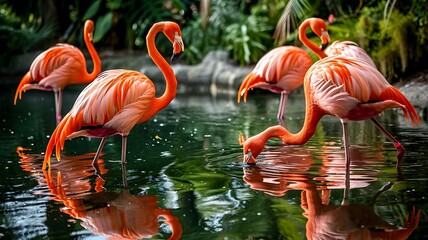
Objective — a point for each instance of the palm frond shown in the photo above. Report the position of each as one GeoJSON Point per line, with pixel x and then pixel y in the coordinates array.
{"type": "Point", "coordinates": [294, 10]}
{"type": "Point", "coordinates": [389, 6]}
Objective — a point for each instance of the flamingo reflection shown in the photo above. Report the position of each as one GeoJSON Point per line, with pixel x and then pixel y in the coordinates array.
{"type": "Point", "coordinates": [276, 175]}
{"type": "Point", "coordinates": [279, 171]}
{"type": "Point", "coordinates": [77, 170]}
{"type": "Point", "coordinates": [351, 221]}
{"type": "Point", "coordinates": [289, 164]}
{"type": "Point", "coordinates": [117, 215]}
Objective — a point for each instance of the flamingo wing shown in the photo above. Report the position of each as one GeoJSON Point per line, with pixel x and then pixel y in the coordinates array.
{"type": "Point", "coordinates": [117, 99]}
{"type": "Point", "coordinates": [58, 66]}
{"type": "Point", "coordinates": [54, 68]}
{"type": "Point", "coordinates": [350, 88]}
{"type": "Point", "coordinates": [281, 69]}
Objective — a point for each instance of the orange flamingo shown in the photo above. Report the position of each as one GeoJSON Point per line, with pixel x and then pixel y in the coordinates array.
{"type": "Point", "coordinates": [119, 99]}
{"type": "Point", "coordinates": [351, 49]}
{"type": "Point", "coordinates": [59, 66]}
{"type": "Point", "coordinates": [282, 69]}
{"type": "Point", "coordinates": [345, 87]}
{"type": "Point", "coordinates": [115, 215]}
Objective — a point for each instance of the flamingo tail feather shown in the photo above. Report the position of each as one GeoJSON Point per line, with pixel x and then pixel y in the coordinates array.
{"type": "Point", "coordinates": [25, 80]}
{"type": "Point", "coordinates": [392, 93]}
{"type": "Point", "coordinates": [249, 81]}
{"type": "Point", "coordinates": [65, 128]}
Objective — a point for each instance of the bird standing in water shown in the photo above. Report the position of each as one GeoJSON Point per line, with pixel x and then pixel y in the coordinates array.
{"type": "Point", "coordinates": [282, 69]}
{"type": "Point", "coordinates": [119, 99]}
{"type": "Point", "coordinates": [346, 87]}
{"type": "Point", "coordinates": [351, 49]}
{"type": "Point", "coordinates": [59, 66]}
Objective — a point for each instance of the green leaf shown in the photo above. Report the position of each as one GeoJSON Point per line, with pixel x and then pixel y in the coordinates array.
{"type": "Point", "coordinates": [92, 10]}
{"type": "Point", "coordinates": [114, 4]}
{"type": "Point", "coordinates": [103, 26]}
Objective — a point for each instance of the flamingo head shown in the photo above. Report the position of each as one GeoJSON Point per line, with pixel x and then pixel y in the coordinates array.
{"type": "Point", "coordinates": [252, 147]}
{"type": "Point", "coordinates": [319, 27]}
{"type": "Point", "coordinates": [173, 33]}
{"type": "Point", "coordinates": [89, 29]}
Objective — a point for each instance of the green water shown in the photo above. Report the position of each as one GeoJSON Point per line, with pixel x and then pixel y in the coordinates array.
{"type": "Point", "coordinates": [185, 175]}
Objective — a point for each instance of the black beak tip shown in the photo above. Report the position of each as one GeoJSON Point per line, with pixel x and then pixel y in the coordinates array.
{"type": "Point", "coordinates": [324, 46]}
{"type": "Point", "coordinates": [175, 56]}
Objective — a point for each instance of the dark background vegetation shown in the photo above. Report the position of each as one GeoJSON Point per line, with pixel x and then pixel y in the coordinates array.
{"type": "Point", "coordinates": [394, 33]}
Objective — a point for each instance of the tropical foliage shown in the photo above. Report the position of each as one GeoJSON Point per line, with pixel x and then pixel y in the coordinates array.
{"type": "Point", "coordinates": [395, 36]}
{"type": "Point", "coordinates": [394, 33]}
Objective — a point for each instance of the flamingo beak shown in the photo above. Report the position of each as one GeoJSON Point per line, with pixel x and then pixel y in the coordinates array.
{"type": "Point", "coordinates": [175, 56]}
{"type": "Point", "coordinates": [248, 158]}
{"type": "Point", "coordinates": [325, 40]}
{"type": "Point", "coordinates": [178, 47]}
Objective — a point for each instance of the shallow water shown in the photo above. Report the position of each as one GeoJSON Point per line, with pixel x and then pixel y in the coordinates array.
{"type": "Point", "coordinates": [185, 176]}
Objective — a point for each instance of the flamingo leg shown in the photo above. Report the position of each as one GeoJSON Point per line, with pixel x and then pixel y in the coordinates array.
{"type": "Point", "coordinates": [123, 157]}
{"type": "Point", "coordinates": [397, 144]}
{"type": "Point", "coordinates": [282, 106]}
{"type": "Point", "coordinates": [58, 105]}
{"type": "Point", "coordinates": [345, 200]}
{"type": "Point", "coordinates": [124, 176]}
{"type": "Point", "coordinates": [97, 154]}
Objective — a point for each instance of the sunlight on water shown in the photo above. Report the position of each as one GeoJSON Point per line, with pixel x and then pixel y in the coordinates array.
{"type": "Point", "coordinates": [185, 177]}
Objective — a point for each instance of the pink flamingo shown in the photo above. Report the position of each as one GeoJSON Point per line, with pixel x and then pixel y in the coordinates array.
{"type": "Point", "coordinates": [351, 49]}
{"type": "Point", "coordinates": [59, 66]}
{"type": "Point", "coordinates": [345, 87]}
{"type": "Point", "coordinates": [119, 99]}
{"type": "Point", "coordinates": [282, 69]}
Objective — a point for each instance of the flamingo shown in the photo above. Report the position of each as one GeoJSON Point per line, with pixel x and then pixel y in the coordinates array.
{"type": "Point", "coordinates": [345, 87]}
{"type": "Point", "coordinates": [351, 49]}
{"type": "Point", "coordinates": [59, 66]}
{"type": "Point", "coordinates": [113, 214]}
{"type": "Point", "coordinates": [282, 69]}
{"type": "Point", "coordinates": [119, 99]}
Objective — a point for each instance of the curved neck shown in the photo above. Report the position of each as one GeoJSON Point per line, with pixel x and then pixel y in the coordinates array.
{"type": "Point", "coordinates": [95, 59]}
{"type": "Point", "coordinates": [304, 39]}
{"type": "Point", "coordinates": [168, 73]}
{"type": "Point", "coordinates": [312, 116]}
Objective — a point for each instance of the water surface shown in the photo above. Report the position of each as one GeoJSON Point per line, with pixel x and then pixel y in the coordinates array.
{"type": "Point", "coordinates": [185, 176]}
